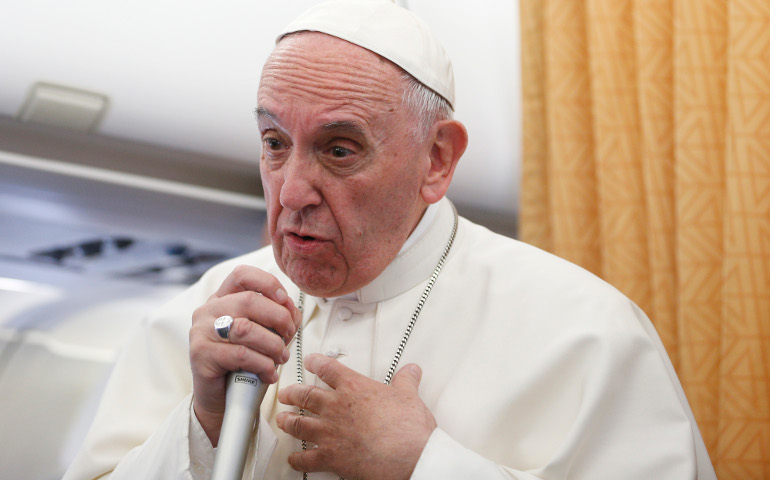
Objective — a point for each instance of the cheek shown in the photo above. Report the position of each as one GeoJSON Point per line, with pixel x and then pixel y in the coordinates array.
{"type": "Point", "coordinates": [270, 181]}
{"type": "Point", "coordinates": [271, 187]}
{"type": "Point", "coordinates": [380, 219]}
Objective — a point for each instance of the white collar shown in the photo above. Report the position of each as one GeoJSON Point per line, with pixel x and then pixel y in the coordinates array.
{"type": "Point", "coordinates": [422, 226]}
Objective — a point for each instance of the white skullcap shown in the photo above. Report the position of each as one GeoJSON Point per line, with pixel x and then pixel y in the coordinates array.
{"type": "Point", "coordinates": [387, 30]}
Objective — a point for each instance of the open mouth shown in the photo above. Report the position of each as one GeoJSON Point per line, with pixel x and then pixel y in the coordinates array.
{"type": "Point", "coordinates": [303, 243]}
{"type": "Point", "coordinates": [307, 238]}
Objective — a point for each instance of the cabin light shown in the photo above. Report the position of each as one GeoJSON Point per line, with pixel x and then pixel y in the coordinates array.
{"type": "Point", "coordinates": [24, 286]}
{"type": "Point", "coordinates": [60, 106]}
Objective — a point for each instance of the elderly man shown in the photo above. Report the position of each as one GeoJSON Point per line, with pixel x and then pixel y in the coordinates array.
{"type": "Point", "coordinates": [426, 347]}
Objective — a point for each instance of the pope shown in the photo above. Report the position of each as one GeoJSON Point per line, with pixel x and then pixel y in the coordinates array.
{"type": "Point", "coordinates": [411, 343]}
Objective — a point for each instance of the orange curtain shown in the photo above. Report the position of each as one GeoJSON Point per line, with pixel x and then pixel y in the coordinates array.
{"type": "Point", "coordinates": [647, 161]}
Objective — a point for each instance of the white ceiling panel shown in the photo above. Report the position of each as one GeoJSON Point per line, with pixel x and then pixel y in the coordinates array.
{"type": "Point", "coordinates": [184, 73]}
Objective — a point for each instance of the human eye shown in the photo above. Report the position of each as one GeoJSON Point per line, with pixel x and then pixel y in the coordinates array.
{"type": "Point", "coordinates": [343, 152]}
{"type": "Point", "coordinates": [341, 149]}
{"type": "Point", "coordinates": [274, 149]}
{"type": "Point", "coordinates": [337, 151]}
{"type": "Point", "coordinates": [271, 143]}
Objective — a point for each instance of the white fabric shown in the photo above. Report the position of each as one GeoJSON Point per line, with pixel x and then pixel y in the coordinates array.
{"type": "Point", "coordinates": [388, 30]}
{"type": "Point", "coordinates": [422, 226]}
{"type": "Point", "coordinates": [533, 368]}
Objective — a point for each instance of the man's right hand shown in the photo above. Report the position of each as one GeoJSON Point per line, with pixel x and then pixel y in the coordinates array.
{"type": "Point", "coordinates": [257, 301]}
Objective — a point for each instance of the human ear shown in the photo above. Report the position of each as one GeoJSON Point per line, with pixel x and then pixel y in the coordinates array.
{"type": "Point", "coordinates": [449, 144]}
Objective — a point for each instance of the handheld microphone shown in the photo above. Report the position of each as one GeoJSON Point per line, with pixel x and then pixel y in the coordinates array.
{"type": "Point", "coordinates": [243, 396]}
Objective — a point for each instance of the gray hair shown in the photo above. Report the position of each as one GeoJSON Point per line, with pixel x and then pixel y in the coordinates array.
{"type": "Point", "coordinates": [426, 105]}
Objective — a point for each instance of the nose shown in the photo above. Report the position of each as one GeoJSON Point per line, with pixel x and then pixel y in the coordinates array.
{"type": "Point", "coordinates": [300, 183]}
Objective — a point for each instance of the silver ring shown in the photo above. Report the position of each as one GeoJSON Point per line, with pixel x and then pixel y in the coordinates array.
{"type": "Point", "coordinates": [222, 325]}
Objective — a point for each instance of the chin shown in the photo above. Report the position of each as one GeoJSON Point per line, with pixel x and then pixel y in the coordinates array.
{"type": "Point", "coordinates": [317, 288]}
{"type": "Point", "coordinates": [315, 280]}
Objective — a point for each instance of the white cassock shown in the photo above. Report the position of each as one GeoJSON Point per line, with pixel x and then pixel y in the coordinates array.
{"type": "Point", "coordinates": [532, 367]}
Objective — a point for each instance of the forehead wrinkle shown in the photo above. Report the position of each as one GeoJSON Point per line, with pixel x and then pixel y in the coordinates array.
{"type": "Point", "coordinates": [347, 72]}
{"type": "Point", "coordinates": [363, 106]}
{"type": "Point", "coordinates": [348, 88]}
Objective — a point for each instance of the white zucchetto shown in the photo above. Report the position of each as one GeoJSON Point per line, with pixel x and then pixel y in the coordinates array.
{"type": "Point", "coordinates": [387, 30]}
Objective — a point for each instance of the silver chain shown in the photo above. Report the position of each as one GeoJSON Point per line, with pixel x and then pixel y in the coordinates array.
{"type": "Point", "coordinates": [407, 332]}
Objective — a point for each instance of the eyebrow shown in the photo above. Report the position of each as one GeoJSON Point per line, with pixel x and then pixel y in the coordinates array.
{"type": "Point", "coordinates": [260, 112]}
{"type": "Point", "coordinates": [351, 127]}
{"type": "Point", "coordinates": [348, 126]}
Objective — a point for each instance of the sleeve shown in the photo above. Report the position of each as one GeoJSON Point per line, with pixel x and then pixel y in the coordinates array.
{"type": "Point", "coordinates": [147, 394]}
{"type": "Point", "coordinates": [165, 454]}
{"type": "Point", "coordinates": [602, 403]}
{"type": "Point", "coordinates": [144, 426]}
{"type": "Point", "coordinates": [445, 458]}
{"type": "Point", "coordinates": [201, 452]}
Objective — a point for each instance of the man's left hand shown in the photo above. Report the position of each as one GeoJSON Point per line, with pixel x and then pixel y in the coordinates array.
{"type": "Point", "coordinates": [361, 428]}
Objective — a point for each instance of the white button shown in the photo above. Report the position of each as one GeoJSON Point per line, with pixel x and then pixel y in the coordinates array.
{"type": "Point", "coordinates": [336, 352]}
{"type": "Point", "coordinates": [333, 352]}
{"type": "Point", "coordinates": [345, 313]}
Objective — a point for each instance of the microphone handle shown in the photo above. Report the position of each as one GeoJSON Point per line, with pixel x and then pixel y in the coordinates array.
{"type": "Point", "coordinates": [243, 396]}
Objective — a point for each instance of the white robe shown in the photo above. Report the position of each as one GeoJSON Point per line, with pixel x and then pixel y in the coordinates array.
{"type": "Point", "coordinates": [532, 367]}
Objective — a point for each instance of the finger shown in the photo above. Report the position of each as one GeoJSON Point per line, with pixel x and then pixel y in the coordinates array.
{"type": "Point", "coordinates": [248, 278]}
{"type": "Point", "coordinates": [332, 372]}
{"type": "Point", "coordinates": [297, 317]}
{"type": "Point", "coordinates": [244, 334]}
{"type": "Point", "coordinates": [263, 311]}
{"type": "Point", "coordinates": [258, 338]}
{"type": "Point", "coordinates": [407, 378]}
{"type": "Point", "coordinates": [252, 306]}
{"type": "Point", "coordinates": [308, 397]}
{"type": "Point", "coordinates": [301, 427]}
{"type": "Point", "coordinates": [310, 460]}
{"type": "Point", "coordinates": [215, 360]}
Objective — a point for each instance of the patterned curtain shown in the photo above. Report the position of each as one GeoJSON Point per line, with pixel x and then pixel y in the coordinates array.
{"type": "Point", "coordinates": [647, 161]}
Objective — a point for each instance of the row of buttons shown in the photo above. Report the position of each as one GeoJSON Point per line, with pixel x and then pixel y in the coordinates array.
{"type": "Point", "coordinates": [344, 314]}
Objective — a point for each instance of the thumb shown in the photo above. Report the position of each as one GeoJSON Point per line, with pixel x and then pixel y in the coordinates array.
{"type": "Point", "coordinates": [407, 377]}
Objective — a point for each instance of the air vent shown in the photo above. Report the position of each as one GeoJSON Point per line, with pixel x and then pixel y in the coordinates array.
{"type": "Point", "coordinates": [131, 258]}
{"type": "Point", "coordinates": [66, 107]}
